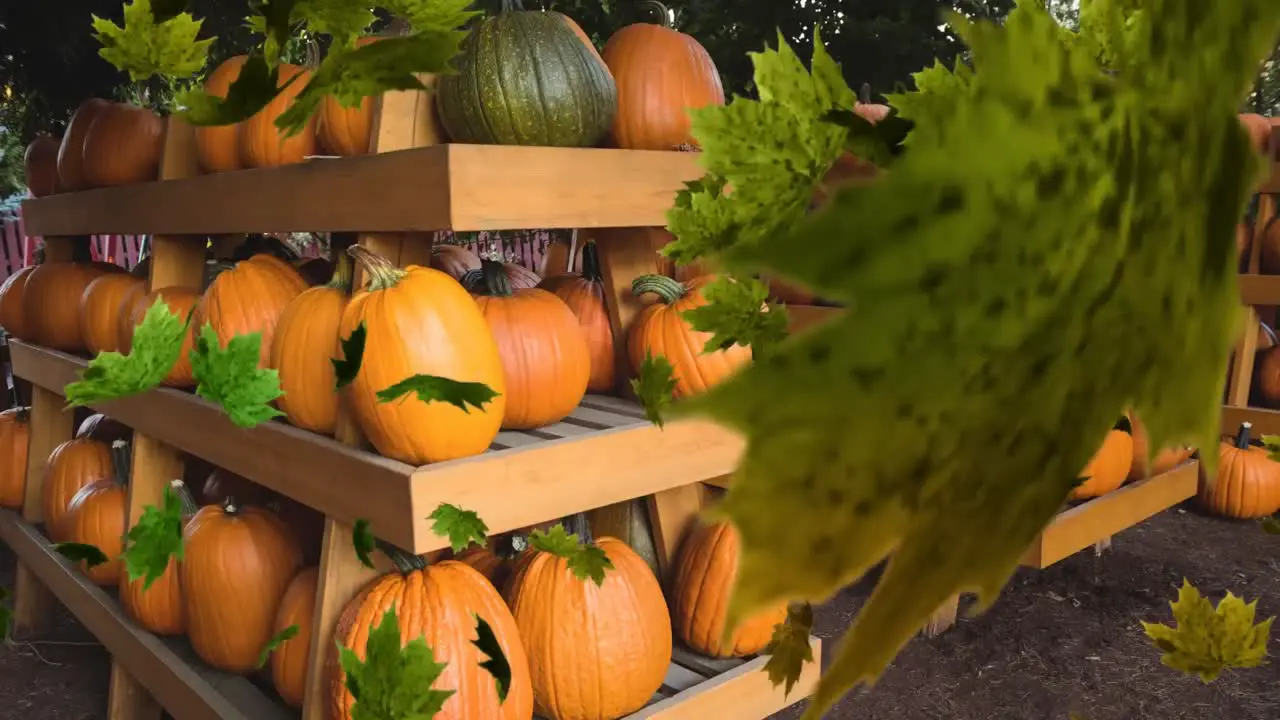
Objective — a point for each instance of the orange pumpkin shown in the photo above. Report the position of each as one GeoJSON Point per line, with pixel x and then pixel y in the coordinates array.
{"type": "Point", "coordinates": [545, 357]}
{"type": "Point", "coordinates": [51, 301]}
{"type": "Point", "coordinates": [71, 174]}
{"type": "Point", "coordinates": [40, 165]}
{"type": "Point", "coordinates": [705, 572]}
{"type": "Point", "coordinates": [181, 302]}
{"type": "Point", "coordinates": [660, 330]}
{"type": "Point", "coordinates": [72, 465]}
{"type": "Point", "coordinates": [1109, 467]}
{"type": "Point", "coordinates": [661, 75]}
{"type": "Point", "coordinates": [100, 310]}
{"type": "Point", "coordinates": [342, 130]}
{"type": "Point", "coordinates": [96, 516]}
{"type": "Point", "coordinates": [454, 260]}
{"type": "Point", "coordinates": [289, 661]}
{"type": "Point", "coordinates": [616, 635]}
{"type": "Point", "coordinates": [1144, 466]}
{"type": "Point", "coordinates": [489, 561]}
{"type": "Point", "coordinates": [1247, 486]}
{"type": "Point", "coordinates": [159, 608]}
{"type": "Point", "coordinates": [584, 294]}
{"type": "Point", "coordinates": [217, 146]}
{"type": "Point", "coordinates": [237, 563]}
{"type": "Point", "coordinates": [262, 144]}
{"type": "Point", "coordinates": [247, 298]}
{"type": "Point", "coordinates": [14, 433]}
{"type": "Point", "coordinates": [438, 603]}
{"type": "Point", "coordinates": [421, 321]}
{"type": "Point", "coordinates": [13, 314]}
{"type": "Point", "coordinates": [129, 304]}
{"type": "Point", "coordinates": [303, 349]}
{"type": "Point", "coordinates": [123, 146]}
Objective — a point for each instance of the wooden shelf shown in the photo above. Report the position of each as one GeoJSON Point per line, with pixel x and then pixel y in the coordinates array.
{"type": "Point", "coordinates": [1264, 421]}
{"type": "Point", "coordinates": [1261, 290]}
{"type": "Point", "coordinates": [444, 187]}
{"type": "Point", "coordinates": [167, 668]}
{"type": "Point", "coordinates": [604, 453]}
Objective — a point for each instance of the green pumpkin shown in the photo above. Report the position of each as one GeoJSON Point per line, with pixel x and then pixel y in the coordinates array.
{"type": "Point", "coordinates": [526, 78]}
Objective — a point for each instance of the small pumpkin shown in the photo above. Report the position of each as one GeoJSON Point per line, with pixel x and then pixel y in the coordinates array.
{"type": "Point", "coordinates": [1110, 465]}
{"type": "Point", "coordinates": [130, 301]}
{"type": "Point", "coordinates": [454, 260]}
{"type": "Point", "coordinates": [660, 330]}
{"type": "Point", "coordinates": [96, 516]}
{"type": "Point", "coordinates": [705, 572]}
{"type": "Point", "coordinates": [615, 635]}
{"type": "Point", "coordinates": [181, 302]}
{"type": "Point", "coordinates": [289, 660]}
{"type": "Point", "coordinates": [71, 174]}
{"type": "Point", "coordinates": [249, 297]}
{"type": "Point", "coordinates": [1163, 461]}
{"type": "Point", "coordinates": [545, 357]}
{"type": "Point", "coordinates": [218, 146]}
{"type": "Point", "coordinates": [103, 429]}
{"type": "Point", "coordinates": [262, 144]}
{"type": "Point", "coordinates": [1247, 485]}
{"type": "Point", "coordinates": [123, 146]}
{"type": "Point", "coordinates": [237, 562]}
{"type": "Point", "coordinates": [584, 295]}
{"type": "Point", "coordinates": [15, 431]}
{"type": "Point", "coordinates": [525, 78]}
{"type": "Point", "coordinates": [100, 310]}
{"type": "Point", "coordinates": [72, 465]}
{"type": "Point", "coordinates": [51, 301]}
{"type": "Point", "coordinates": [159, 608]}
{"type": "Point", "coordinates": [40, 166]}
{"type": "Point", "coordinates": [421, 321]}
{"type": "Point", "coordinates": [346, 131]}
{"type": "Point", "coordinates": [661, 75]}
{"type": "Point", "coordinates": [13, 314]}
{"type": "Point", "coordinates": [303, 349]}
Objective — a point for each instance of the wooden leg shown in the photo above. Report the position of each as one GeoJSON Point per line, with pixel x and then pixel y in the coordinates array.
{"type": "Point", "coordinates": [944, 618]}
{"type": "Point", "coordinates": [1102, 545]}
{"type": "Point", "coordinates": [625, 254]}
{"type": "Point", "coordinates": [127, 700]}
{"type": "Point", "coordinates": [671, 512]}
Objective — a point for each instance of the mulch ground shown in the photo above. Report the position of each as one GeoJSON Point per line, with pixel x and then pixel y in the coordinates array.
{"type": "Point", "coordinates": [1058, 641]}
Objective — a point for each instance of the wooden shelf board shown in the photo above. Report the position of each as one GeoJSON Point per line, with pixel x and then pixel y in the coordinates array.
{"type": "Point", "coordinates": [168, 668]}
{"type": "Point", "coordinates": [604, 453]}
{"type": "Point", "coordinates": [1264, 421]}
{"type": "Point", "coordinates": [1098, 519]}
{"type": "Point", "coordinates": [1263, 290]}
{"type": "Point", "coordinates": [458, 187]}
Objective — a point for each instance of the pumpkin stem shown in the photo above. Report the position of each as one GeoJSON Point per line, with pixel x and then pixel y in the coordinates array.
{"type": "Point", "coordinates": [343, 271]}
{"type": "Point", "coordinates": [864, 95]}
{"type": "Point", "coordinates": [382, 274]}
{"type": "Point", "coordinates": [230, 507]}
{"type": "Point", "coordinates": [667, 289]}
{"type": "Point", "coordinates": [403, 561]}
{"type": "Point", "coordinates": [1242, 437]}
{"type": "Point", "coordinates": [189, 505]}
{"type": "Point", "coordinates": [664, 14]}
{"type": "Point", "coordinates": [491, 279]}
{"type": "Point", "coordinates": [577, 524]}
{"type": "Point", "coordinates": [591, 263]}
{"type": "Point", "coordinates": [121, 460]}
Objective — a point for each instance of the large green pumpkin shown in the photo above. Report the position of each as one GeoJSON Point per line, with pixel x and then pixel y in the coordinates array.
{"type": "Point", "coordinates": [526, 78]}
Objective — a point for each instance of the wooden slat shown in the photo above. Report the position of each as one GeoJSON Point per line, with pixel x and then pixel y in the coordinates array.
{"type": "Point", "coordinates": [417, 190]}
{"type": "Point", "coordinates": [167, 669]}
{"type": "Point", "coordinates": [1265, 422]}
{"type": "Point", "coordinates": [1261, 290]}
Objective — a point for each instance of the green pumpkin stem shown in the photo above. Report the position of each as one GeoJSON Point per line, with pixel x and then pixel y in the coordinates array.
{"type": "Point", "coordinates": [343, 273]}
{"type": "Point", "coordinates": [1242, 437]}
{"type": "Point", "coordinates": [667, 290]}
{"type": "Point", "coordinates": [403, 561]}
{"type": "Point", "coordinates": [382, 274]}
{"type": "Point", "coordinates": [491, 279]}
{"type": "Point", "coordinates": [663, 13]}
{"type": "Point", "coordinates": [185, 498]}
{"type": "Point", "coordinates": [121, 461]}
{"type": "Point", "coordinates": [591, 263]}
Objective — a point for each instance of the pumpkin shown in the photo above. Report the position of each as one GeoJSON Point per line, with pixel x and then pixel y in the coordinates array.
{"type": "Point", "coordinates": [181, 302]}
{"type": "Point", "coordinates": [40, 166]}
{"type": "Point", "coordinates": [661, 74]}
{"type": "Point", "coordinates": [71, 175]}
{"type": "Point", "coordinates": [71, 466]}
{"type": "Point", "coordinates": [1247, 485]}
{"type": "Point", "coordinates": [705, 572]}
{"type": "Point", "coordinates": [421, 321]}
{"type": "Point", "coordinates": [303, 349]}
{"type": "Point", "coordinates": [526, 78]}
{"type": "Point", "coordinates": [1144, 466]}
{"type": "Point", "coordinates": [223, 485]}
{"type": "Point", "coordinates": [520, 277]}
{"type": "Point", "coordinates": [129, 302]}
{"type": "Point", "coordinates": [1258, 129]}
{"type": "Point", "coordinates": [15, 430]}
{"type": "Point", "coordinates": [289, 661]}
{"type": "Point", "coordinates": [545, 357]}
{"type": "Point", "coordinates": [345, 131]}
{"type": "Point", "coordinates": [660, 330]}
{"type": "Point", "coordinates": [159, 608]}
{"type": "Point", "coordinates": [217, 146]}
{"type": "Point", "coordinates": [96, 516]}
{"type": "Point", "coordinates": [249, 297]}
{"type": "Point", "coordinates": [13, 314]}
{"type": "Point", "coordinates": [123, 146]}
{"type": "Point", "coordinates": [488, 562]}
{"type": "Point", "coordinates": [262, 144]}
{"type": "Point", "coordinates": [100, 310]}
{"type": "Point", "coordinates": [438, 603]}
{"type": "Point", "coordinates": [237, 562]}
{"type": "Point", "coordinates": [584, 295]}
{"type": "Point", "coordinates": [660, 238]}
{"type": "Point", "coordinates": [629, 522]}
{"type": "Point", "coordinates": [454, 260]}
{"type": "Point", "coordinates": [1266, 373]}
{"type": "Point", "coordinates": [51, 301]}
{"type": "Point", "coordinates": [1109, 467]}
{"type": "Point", "coordinates": [103, 429]}
{"type": "Point", "coordinates": [616, 635]}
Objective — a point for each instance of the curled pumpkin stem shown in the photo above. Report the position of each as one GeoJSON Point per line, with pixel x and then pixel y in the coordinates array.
{"type": "Point", "coordinates": [382, 274]}
{"type": "Point", "coordinates": [667, 290]}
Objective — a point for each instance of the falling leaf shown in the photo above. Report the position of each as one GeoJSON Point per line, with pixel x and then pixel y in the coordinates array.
{"type": "Point", "coordinates": [496, 664]}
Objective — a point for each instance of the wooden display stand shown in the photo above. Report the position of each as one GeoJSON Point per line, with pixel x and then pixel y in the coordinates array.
{"type": "Point", "coordinates": [410, 186]}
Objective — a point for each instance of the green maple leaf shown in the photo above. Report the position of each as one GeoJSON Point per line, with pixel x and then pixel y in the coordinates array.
{"type": "Point", "coordinates": [496, 664]}
{"type": "Point", "coordinates": [231, 377]}
{"type": "Point", "coordinates": [352, 347]}
{"type": "Point", "coordinates": [253, 89]}
{"type": "Point", "coordinates": [789, 648]}
{"type": "Point", "coordinates": [1206, 640]}
{"type": "Point", "coordinates": [157, 345]}
{"type": "Point", "coordinates": [363, 542]}
{"type": "Point", "coordinates": [155, 539]}
{"type": "Point", "coordinates": [585, 561]}
{"type": "Point", "coordinates": [393, 682]}
{"type": "Point", "coordinates": [462, 527]}
{"type": "Point", "coordinates": [877, 143]}
{"type": "Point", "coordinates": [1028, 249]}
{"type": "Point", "coordinates": [735, 314]}
{"type": "Point", "coordinates": [275, 642]}
{"type": "Point", "coordinates": [432, 388]}
{"type": "Point", "coordinates": [655, 387]}
{"type": "Point", "coordinates": [91, 555]}
{"type": "Point", "coordinates": [432, 13]}
{"type": "Point", "coordinates": [146, 46]}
